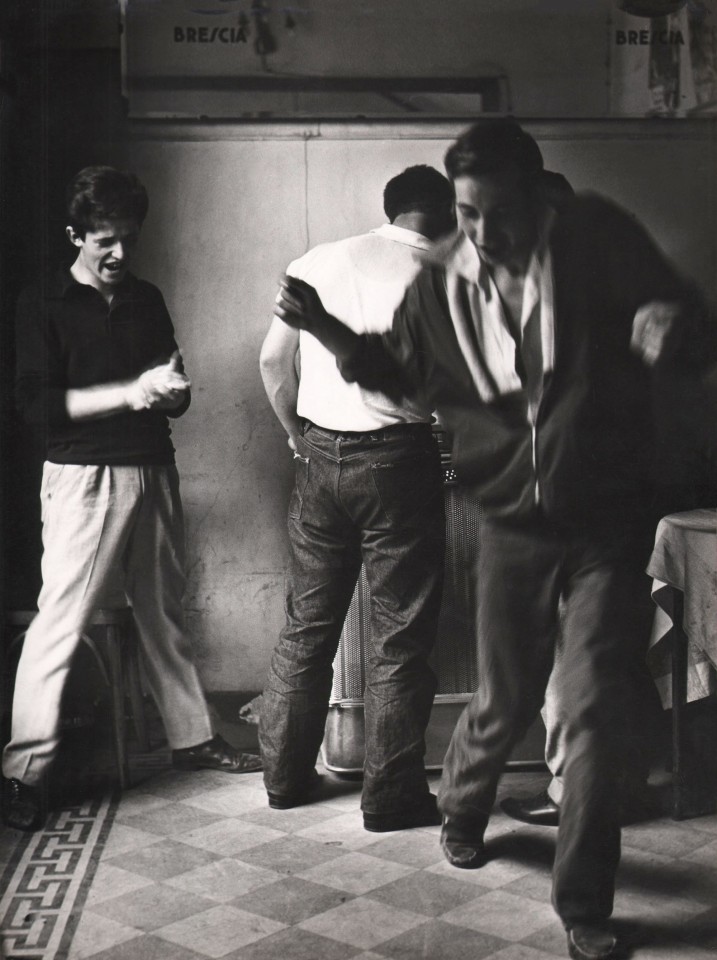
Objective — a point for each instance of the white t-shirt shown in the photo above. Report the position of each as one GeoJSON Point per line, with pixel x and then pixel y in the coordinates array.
{"type": "Point", "coordinates": [361, 281]}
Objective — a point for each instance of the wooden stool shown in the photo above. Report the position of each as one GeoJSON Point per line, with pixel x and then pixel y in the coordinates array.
{"type": "Point", "coordinates": [117, 657]}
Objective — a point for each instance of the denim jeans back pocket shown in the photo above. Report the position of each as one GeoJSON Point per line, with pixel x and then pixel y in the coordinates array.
{"type": "Point", "coordinates": [408, 486]}
{"type": "Point", "coordinates": [301, 479]}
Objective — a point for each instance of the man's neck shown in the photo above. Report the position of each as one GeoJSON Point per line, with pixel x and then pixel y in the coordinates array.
{"type": "Point", "coordinates": [516, 268]}
{"type": "Point", "coordinates": [517, 265]}
{"type": "Point", "coordinates": [80, 273]}
{"type": "Point", "coordinates": [411, 221]}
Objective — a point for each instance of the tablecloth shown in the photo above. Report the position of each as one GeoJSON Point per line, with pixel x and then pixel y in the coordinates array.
{"type": "Point", "coordinates": [685, 559]}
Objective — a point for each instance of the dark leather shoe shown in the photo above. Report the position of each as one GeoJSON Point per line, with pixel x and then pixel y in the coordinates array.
{"type": "Point", "coordinates": [24, 807]}
{"type": "Point", "coordinates": [592, 941]}
{"type": "Point", "coordinates": [462, 842]}
{"type": "Point", "coordinates": [285, 801]}
{"type": "Point", "coordinates": [424, 814]}
{"type": "Point", "coordinates": [215, 754]}
{"type": "Point", "coordinates": [540, 810]}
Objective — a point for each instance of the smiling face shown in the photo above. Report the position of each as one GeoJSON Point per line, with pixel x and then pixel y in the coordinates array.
{"type": "Point", "coordinates": [497, 214]}
{"type": "Point", "coordinates": [105, 253]}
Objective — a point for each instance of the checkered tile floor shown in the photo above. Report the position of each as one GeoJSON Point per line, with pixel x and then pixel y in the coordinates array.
{"type": "Point", "coordinates": [197, 866]}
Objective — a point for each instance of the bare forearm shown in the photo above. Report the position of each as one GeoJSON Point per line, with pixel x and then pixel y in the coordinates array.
{"type": "Point", "coordinates": [284, 406]}
{"type": "Point", "coordinates": [162, 387]}
{"type": "Point", "coordinates": [278, 366]}
{"type": "Point", "coordinates": [94, 403]}
{"type": "Point", "coordinates": [282, 389]}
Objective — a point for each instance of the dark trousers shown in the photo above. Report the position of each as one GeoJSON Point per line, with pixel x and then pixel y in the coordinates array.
{"type": "Point", "coordinates": [522, 573]}
{"type": "Point", "coordinates": [377, 498]}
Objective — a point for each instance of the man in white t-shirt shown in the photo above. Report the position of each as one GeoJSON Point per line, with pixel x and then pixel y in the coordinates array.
{"type": "Point", "coordinates": [368, 489]}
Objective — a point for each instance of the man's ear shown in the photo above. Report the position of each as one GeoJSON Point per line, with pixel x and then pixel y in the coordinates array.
{"type": "Point", "coordinates": [74, 236]}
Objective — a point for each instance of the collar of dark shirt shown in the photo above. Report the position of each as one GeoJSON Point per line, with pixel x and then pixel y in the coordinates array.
{"type": "Point", "coordinates": [61, 284]}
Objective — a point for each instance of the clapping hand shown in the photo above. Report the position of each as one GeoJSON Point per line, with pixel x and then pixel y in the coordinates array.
{"type": "Point", "coordinates": [163, 386]}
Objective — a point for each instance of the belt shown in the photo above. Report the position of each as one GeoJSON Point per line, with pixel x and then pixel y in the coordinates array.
{"type": "Point", "coordinates": [383, 433]}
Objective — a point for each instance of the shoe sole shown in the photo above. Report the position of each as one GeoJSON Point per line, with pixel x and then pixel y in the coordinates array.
{"type": "Point", "coordinates": [388, 825]}
{"type": "Point", "coordinates": [577, 954]}
{"type": "Point", "coordinates": [545, 820]}
{"type": "Point", "coordinates": [286, 803]}
{"type": "Point", "coordinates": [478, 860]}
{"type": "Point", "coordinates": [310, 794]}
{"type": "Point", "coordinates": [188, 765]}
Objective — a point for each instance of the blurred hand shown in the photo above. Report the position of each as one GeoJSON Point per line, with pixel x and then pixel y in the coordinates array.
{"type": "Point", "coordinates": [298, 304]}
{"type": "Point", "coordinates": [163, 386]}
{"type": "Point", "coordinates": [654, 331]}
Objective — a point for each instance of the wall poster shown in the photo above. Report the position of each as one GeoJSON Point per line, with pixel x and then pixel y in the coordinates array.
{"type": "Point", "coordinates": [663, 58]}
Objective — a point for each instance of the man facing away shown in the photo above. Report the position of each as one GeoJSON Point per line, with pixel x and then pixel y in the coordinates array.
{"type": "Point", "coordinates": [538, 342]}
{"type": "Point", "coordinates": [368, 488]}
{"type": "Point", "coordinates": [98, 370]}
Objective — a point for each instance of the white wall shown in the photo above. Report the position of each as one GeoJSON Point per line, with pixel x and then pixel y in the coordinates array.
{"type": "Point", "coordinates": [230, 207]}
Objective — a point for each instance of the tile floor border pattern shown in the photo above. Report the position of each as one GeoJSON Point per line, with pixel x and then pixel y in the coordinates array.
{"type": "Point", "coordinates": [196, 867]}
{"type": "Point", "coordinates": [47, 878]}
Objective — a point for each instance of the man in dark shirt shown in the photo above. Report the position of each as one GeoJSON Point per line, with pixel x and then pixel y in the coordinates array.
{"type": "Point", "coordinates": [99, 373]}
{"type": "Point", "coordinates": [539, 341]}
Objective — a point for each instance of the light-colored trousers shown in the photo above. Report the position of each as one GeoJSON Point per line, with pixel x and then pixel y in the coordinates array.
{"type": "Point", "coordinates": [102, 526]}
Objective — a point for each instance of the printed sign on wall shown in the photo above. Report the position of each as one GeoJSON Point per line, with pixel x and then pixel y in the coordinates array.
{"type": "Point", "coordinates": [259, 58]}
{"type": "Point", "coordinates": [663, 58]}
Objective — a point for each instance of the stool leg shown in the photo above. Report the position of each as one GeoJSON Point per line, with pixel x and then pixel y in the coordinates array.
{"type": "Point", "coordinates": [139, 718]}
{"type": "Point", "coordinates": [114, 658]}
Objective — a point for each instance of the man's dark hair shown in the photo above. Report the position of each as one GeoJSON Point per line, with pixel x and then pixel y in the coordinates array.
{"type": "Point", "coordinates": [419, 189]}
{"type": "Point", "coordinates": [492, 146]}
{"type": "Point", "coordinates": [98, 194]}
{"type": "Point", "coordinates": [555, 188]}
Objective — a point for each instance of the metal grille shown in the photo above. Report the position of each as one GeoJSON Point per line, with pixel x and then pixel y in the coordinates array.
{"type": "Point", "coordinates": [454, 658]}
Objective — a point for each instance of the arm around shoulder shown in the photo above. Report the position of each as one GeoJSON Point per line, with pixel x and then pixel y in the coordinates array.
{"type": "Point", "coordinates": [371, 360]}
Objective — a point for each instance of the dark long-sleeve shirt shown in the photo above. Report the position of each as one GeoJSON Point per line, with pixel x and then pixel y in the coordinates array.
{"type": "Point", "coordinates": [69, 337]}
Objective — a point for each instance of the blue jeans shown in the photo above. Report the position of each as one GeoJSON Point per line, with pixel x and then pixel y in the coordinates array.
{"type": "Point", "coordinates": [377, 498]}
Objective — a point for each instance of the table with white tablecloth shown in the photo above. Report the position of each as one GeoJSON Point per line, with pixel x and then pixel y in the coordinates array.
{"type": "Point", "coordinates": [683, 646]}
